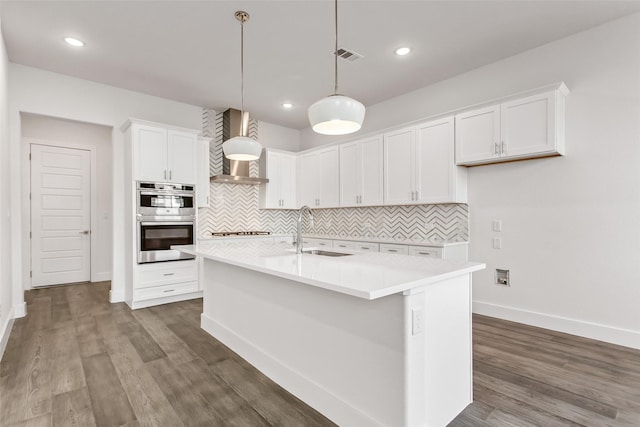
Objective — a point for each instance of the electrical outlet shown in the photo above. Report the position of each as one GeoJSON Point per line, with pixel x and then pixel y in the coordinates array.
{"type": "Point", "coordinates": [417, 323]}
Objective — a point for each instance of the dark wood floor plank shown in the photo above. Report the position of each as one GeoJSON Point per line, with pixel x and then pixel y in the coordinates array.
{"type": "Point", "coordinates": [177, 351]}
{"type": "Point", "coordinates": [262, 395]}
{"type": "Point", "coordinates": [201, 343]}
{"type": "Point", "coordinates": [147, 400]}
{"type": "Point", "coordinates": [178, 390]}
{"type": "Point", "coordinates": [40, 421]}
{"type": "Point", "coordinates": [221, 399]}
{"type": "Point", "coordinates": [108, 399]}
{"type": "Point", "coordinates": [144, 344]}
{"type": "Point", "coordinates": [89, 340]}
{"type": "Point", "coordinates": [73, 408]}
{"type": "Point", "coordinates": [67, 371]}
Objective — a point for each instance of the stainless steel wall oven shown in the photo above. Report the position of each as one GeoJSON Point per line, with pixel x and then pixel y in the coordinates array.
{"type": "Point", "coordinates": [165, 216]}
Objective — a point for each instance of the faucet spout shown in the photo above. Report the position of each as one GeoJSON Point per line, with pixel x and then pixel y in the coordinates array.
{"type": "Point", "coordinates": [299, 224]}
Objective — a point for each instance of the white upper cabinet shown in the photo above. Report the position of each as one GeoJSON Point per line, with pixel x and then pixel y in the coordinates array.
{"type": "Point", "coordinates": [361, 173]}
{"type": "Point", "coordinates": [526, 127]}
{"type": "Point", "coordinates": [164, 154]}
{"type": "Point", "coordinates": [202, 187]}
{"type": "Point", "coordinates": [419, 165]}
{"type": "Point", "coordinates": [438, 179]}
{"type": "Point", "coordinates": [399, 165]}
{"type": "Point", "coordinates": [318, 178]}
{"type": "Point", "coordinates": [280, 191]}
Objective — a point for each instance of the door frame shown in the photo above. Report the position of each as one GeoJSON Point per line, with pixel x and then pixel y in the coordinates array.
{"type": "Point", "coordinates": [25, 150]}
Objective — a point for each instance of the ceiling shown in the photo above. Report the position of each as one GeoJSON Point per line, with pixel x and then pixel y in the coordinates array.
{"type": "Point", "coordinates": [189, 51]}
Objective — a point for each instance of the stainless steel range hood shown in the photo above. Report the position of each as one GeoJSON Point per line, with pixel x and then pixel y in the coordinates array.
{"type": "Point", "coordinates": [235, 171]}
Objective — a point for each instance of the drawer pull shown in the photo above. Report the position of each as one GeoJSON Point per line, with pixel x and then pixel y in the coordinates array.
{"type": "Point", "coordinates": [168, 290]}
{"type": "Point", "coordinates": [392, 250]}
{"type": "Point", "coordinates": [168, 274]}
{"type": "Point", "coordinates": [365, 248]}
{"type": "Point", "coordinates": [424, 253]}
{"type": "Point", "coordinates": [342, 246]}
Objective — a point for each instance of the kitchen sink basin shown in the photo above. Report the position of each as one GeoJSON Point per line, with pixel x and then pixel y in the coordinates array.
{"type": "Point", "coordinates": [323, 253]}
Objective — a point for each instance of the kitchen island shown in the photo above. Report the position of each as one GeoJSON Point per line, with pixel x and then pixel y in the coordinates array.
{"type": "Point", "coordinates": [367, 339]}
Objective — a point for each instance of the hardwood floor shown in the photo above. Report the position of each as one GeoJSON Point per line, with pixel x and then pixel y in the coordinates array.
{"type": "Point", "coordinates": [77, 360]}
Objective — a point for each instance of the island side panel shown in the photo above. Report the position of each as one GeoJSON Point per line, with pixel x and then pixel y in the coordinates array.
{"type": "Point", "coordinates": [439, 361]}
{"type": "Point", "coordinates": [340, 354]}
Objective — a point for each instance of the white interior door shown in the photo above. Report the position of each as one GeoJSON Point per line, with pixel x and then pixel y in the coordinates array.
{"type": "Point", "coordinates": [60, 215]}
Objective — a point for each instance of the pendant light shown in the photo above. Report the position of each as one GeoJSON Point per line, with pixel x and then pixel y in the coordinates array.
{"type": "Point", "coordinates": [336, 114]}
{"type": "Point", "coordinates": [242, 147]}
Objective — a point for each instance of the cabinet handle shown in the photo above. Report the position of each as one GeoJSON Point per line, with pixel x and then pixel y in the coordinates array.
{"type": "Point", "coordinates": [168, 290]}
{"type": "Point", "coordinates": [170, 175]}
{"type": "Point", "coordinates": [365, 248]}
{"type": "Point", "coordinates": [424, 253]}
{"type": "Point", "coordinates": [392, 250]}
{"type": "Point", "coordinates": [165, 174]}
{"type": "Point", "coordinates": [496, 148]}
{"type": "Point", "coordinates": [504, 147]}
{"type": "Point", "coordinates": [168, 274]}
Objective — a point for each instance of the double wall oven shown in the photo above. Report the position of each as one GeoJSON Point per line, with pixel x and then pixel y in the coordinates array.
{"type": "Point", "coordinates": [165, 216]}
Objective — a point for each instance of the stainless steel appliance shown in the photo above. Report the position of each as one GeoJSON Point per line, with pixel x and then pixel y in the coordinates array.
{"type": "Point", "coordinates": [165, 216]}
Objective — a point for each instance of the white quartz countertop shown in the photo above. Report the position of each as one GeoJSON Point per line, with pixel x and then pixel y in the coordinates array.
{"type": "Point", "coordinates": [363, 275]}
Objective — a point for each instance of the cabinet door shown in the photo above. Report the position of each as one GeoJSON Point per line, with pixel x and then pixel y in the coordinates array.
{"type": "Point", "coordinates": [349, 174]}
{"type": "Point", "coordinates": [528, 126]}
{"type": "Point", "coordinates": [270, 192]}
{"type": "Point", "coordinates": [370, 175]}
{"type": "Point", "coordinates": [150, 148]}
{"type": "Point", "coordinates": [308, 176]}
{"type": "Point", "coordinates": [398, 167]}
{"type": "Point", "coordinates": [288, 181]}
{"type": "Point", "coordinates": [435, 168]}
{"type": "Point", "coordinates": [202, 187]}
{"type": "Point", "coordinates": [182, 163]}
{"type": "Point", "coordinates": [478, 135]}
{"type": "Point", "coordinates": [329, 178]}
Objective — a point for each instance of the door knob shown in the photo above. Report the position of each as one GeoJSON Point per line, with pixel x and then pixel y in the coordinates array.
{"type": "Point", "coordinates": [85, 232]}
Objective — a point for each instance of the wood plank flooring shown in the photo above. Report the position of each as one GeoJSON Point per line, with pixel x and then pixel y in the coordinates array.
{"type": "Point", "coordinates": [77, 360]}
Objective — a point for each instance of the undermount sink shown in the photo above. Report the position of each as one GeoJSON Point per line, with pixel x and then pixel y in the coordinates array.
{"type": "Point", "coordinates": [323, 253]}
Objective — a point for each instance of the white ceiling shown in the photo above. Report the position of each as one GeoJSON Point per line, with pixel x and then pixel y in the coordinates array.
{"type": "Point", "coordinates": [189, 51]}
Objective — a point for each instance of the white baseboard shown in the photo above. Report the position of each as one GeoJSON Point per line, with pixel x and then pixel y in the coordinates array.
{"type": "Point", "coordinates": [624, 337]}
{"type": "Point", "coordinates": [5, 332]}
{"type": "Point", "coordinates": [116, 296]}
{"type": "Point", "coordinates": [313, 394]}
{"type": "Point", "coordinates": [19, 310]}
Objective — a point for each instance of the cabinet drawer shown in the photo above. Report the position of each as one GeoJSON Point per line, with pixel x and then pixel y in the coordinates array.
{"type": "Point", "coordinates": [365, 247]}
{"type": "Point", "coordinates": [343, 244]}
{"type": "Point", "coordinates": [394, 249]}
{"type": "Point", "coordinates": [164, 274]}
{"type": "Point", "coordinates": [164, 291]}
{"type": "Point", "coordinates": [313, 243]}
{"type": "Point", "coordinates": [425, 251]}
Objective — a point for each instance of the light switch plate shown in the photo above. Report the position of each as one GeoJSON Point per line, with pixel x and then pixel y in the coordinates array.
{"type": "Point", "coordinates": [497, 225]}
{"type": "Point", "coordinates": [417, 326]}
{"type": "Point", "coordinates": [497, 243]}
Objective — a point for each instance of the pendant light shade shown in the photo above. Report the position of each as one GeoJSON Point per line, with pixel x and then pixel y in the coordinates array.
{"type": "Point", "coordinates": [336, 114]}
{"type": "Point", "coordinates": [242, 147]}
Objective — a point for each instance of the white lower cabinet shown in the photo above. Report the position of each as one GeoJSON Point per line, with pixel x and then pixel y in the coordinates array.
{"type": "Point", "coordinates": [425, 251]}
{"type": "Point", "coordinates": [316, 243]}
{"type": "Point", "coordinates": [164, 282]}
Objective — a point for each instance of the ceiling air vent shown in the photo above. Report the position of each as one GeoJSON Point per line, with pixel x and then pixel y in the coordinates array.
{"type": "Point", "coordinates": [348, 55]}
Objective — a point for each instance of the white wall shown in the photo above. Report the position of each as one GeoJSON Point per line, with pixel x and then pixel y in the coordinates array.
{"type": "Point", "coordinates": [280, 137]}
{"type": "Point", "coordinates": [571, 224]}
{"type": "Point", "coordinates": [41, 92]}
{"type": "Point", "coordinates": [62, 132]}
{"type": "Point", "coordinates": [6, 314]}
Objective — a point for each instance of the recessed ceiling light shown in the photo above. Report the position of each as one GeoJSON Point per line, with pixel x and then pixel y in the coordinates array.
{"type": "Point", "coordinates": [402, 51]}
{"type": "Point", "coordinates": [74, 42]}
{"type": "Point", "coordinates": [287, 105]}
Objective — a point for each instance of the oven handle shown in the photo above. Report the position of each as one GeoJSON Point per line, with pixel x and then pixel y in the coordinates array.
{"type": "Point", "coordinates": [147, 223]}
{"type": "Point", "coordinates": [167, 193]}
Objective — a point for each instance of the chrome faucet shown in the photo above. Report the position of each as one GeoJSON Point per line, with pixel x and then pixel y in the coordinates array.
{"type": "Point", "coordinates": [299, 237]}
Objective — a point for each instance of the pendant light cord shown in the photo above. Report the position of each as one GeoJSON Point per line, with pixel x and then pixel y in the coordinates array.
{"type": "Point", "coordinates": [335, 52]}
{"type": "Point", "coordinates": [242, 75]}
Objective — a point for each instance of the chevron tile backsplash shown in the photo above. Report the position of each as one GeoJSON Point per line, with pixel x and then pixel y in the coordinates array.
{"type": "Point", "coordinates": [235, 207]}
